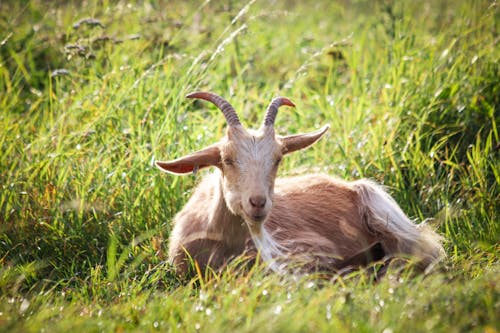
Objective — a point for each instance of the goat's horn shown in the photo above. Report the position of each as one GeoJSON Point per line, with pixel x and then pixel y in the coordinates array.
{"type": "Point", "coordinates": [226, 108]}
{"type": "Point", "coordinates": [272, 109]}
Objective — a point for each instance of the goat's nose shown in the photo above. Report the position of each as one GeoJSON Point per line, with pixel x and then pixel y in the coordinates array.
{"type": "Point", "coordinates": [258, 201]}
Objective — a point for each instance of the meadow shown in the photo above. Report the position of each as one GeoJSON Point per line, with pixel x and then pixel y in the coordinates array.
{"type": "Point", "coordinates": [92, 93]}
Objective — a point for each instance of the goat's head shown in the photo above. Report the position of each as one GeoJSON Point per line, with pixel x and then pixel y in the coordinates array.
{"type": "Point", "coordinates": [248, 160]}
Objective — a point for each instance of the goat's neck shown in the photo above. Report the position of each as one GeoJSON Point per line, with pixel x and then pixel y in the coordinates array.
{"type": "Point", "coordinates": [231, 227]}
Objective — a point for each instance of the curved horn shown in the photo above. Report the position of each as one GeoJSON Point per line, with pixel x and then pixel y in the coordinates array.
{"type": "Point", "coordinates": [272, 109]}
{"type": "Point", "coordinates": [223, 105]}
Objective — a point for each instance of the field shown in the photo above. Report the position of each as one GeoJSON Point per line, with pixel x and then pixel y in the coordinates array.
{"type": "Point", "coordinates": [92, 93]}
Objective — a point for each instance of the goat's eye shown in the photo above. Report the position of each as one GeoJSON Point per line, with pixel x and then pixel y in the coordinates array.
{"type": "Point", "coordinates": [277, 162]}
{"type": "Point", "coordinates": [228, 161]}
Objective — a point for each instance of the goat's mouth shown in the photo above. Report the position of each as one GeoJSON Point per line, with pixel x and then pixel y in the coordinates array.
{"type": "Point", "coordinates": [259, 217]}
{"type": "Point", "coordinates": [255, 218]}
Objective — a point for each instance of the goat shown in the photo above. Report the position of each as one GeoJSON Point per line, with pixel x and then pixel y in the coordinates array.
{"type": "Point", "coordinates": [316, 220]}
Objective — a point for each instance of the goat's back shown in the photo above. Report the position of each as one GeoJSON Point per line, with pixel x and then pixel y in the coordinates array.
{"type": "Point", "coordinates": [329, 220]}
{"type": "Point", "coordinates": [318, 214]}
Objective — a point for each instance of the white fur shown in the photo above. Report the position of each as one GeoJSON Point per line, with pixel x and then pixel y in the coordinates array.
{"type": "Point", "coordinates": [270, 250]}
{"type": "Point", "coordinates": [383, 208]}
{"type": "Point", "coordinates": [386, 214]}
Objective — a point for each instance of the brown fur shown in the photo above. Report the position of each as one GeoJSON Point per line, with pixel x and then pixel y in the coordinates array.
{"type": "Point", "coordinates": [333, 228]}
{"type": "Point", "coordinates": [206, 230]}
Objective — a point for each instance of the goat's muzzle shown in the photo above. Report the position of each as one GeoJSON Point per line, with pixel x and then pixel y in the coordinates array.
{"type": "Point", "coordinates": [257, 208]}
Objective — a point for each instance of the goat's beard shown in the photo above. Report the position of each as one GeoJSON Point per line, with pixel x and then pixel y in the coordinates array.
{"type": "Point", "coordinates": [270, 250]}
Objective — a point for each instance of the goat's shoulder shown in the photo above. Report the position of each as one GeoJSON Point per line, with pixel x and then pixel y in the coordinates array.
{"type": "Point", "coordinates": [197, 207]}
{"type": "Point", "coordinates": [193, 218]}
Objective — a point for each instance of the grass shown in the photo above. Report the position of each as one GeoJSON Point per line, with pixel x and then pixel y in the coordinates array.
{"type": "Point", "coordinates": [411, 92]}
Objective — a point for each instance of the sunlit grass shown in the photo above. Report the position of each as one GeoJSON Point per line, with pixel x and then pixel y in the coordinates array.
{"type": "Point", "coordinates": [410, 90]}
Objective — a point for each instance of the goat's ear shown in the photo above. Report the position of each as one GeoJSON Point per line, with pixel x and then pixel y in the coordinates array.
{"type": "Point", "coordinates": [209, 156]}
{"type": "Point", "coordinates": [295, 142]}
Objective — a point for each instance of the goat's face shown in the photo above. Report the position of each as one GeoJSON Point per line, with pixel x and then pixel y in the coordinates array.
{"type": "Point", "coordinates": [248, 160]}
{"type": "Point", "coordinates": [249, 163]}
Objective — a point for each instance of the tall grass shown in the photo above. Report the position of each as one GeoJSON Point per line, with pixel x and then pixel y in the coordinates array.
{"type": "Point", "coordinates": [410, 90]}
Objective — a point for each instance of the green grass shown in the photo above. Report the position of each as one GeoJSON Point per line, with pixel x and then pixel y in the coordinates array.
{"type": "Point", "coordinates": [411, 91]}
